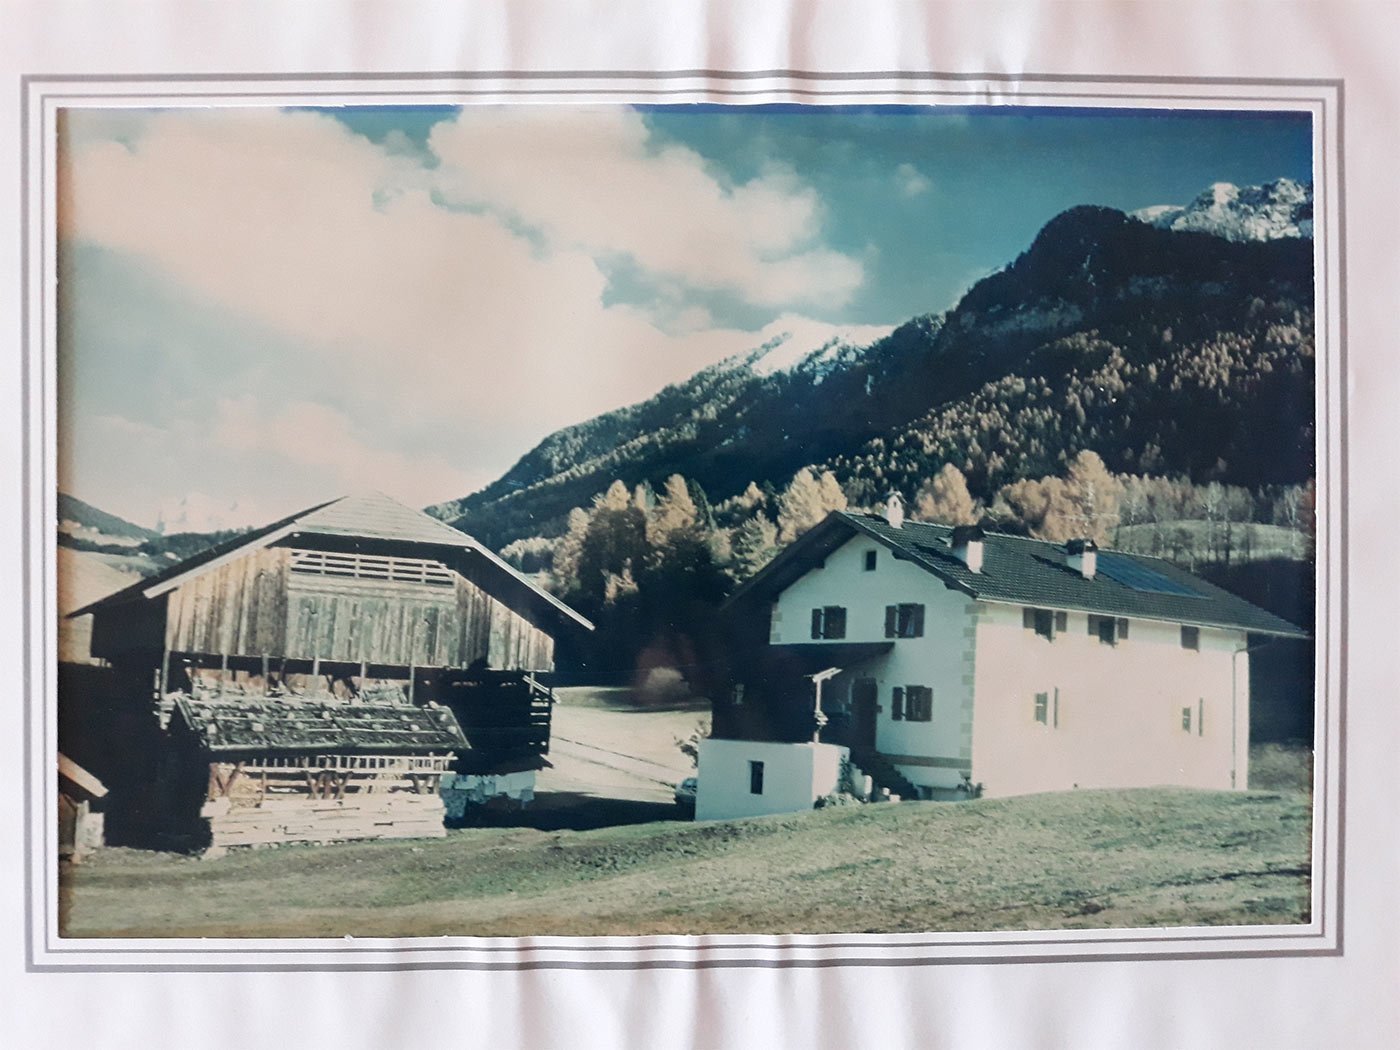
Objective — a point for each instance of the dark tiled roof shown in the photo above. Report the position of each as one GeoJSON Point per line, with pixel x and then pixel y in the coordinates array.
{"type": "Point", "coordinates": [243, 724]}
{"type": "Point", "coordinates": [1021, 571]}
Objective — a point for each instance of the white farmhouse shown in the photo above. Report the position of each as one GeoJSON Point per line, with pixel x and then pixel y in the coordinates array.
{"type": "Point", "coordinates": [997, 662]}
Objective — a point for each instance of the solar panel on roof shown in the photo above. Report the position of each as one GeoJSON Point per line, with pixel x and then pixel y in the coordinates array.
{"type": "Point", "coordinates": [1140, 578]}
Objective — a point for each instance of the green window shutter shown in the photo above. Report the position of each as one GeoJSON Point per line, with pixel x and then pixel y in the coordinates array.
{"type": "Point", "coordinates": [816, 623]}
{"type": "Point", "coordinates": [897, 704]}
{"type": "Point", "coordinates": [1028, 619]}
{"type": "Point", "coordinates": [918, 621]}
{"type": "Point", "coordinates": [1061, 621]}
{"type": "Point", "coordinates": [891, 620]}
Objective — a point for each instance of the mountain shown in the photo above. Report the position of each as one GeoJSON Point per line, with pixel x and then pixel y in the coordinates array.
{"type": "Point", "coordinates": [1255, 213]}
{"type": "Point", "coordinates": [83, 520]}
{"type": "Point", "coordinates": [1165, 350]}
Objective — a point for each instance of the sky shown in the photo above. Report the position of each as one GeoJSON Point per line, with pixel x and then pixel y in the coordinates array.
{"type": "Point", "coordinates": [260, 309]}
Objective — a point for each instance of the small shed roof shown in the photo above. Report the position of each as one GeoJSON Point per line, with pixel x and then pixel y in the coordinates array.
{"type": "Point", "coordinates": [229, 724]}
{"type": "Point", "coordinates": [371, 516]}
{"type": "Point", "coordinates": [79, 777]}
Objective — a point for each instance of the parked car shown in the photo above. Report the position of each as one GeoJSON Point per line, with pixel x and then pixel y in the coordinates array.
{"type": "Point", "coordinates": [685, 795]}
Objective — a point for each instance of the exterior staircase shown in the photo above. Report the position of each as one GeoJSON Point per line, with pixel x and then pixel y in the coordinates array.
{"type": "Point", "coordinates": [883, 774]}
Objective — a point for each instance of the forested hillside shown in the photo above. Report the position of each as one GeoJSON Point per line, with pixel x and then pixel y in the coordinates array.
{"type": "Point", "coordinates": [1168, 353]}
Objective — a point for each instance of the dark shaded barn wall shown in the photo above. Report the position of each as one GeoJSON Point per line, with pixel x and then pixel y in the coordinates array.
{"type": "Point", "coordinates": [256, 606]}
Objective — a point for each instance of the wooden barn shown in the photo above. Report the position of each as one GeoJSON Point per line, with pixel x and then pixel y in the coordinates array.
{"type": "Point", "coordinates": [332, 675]}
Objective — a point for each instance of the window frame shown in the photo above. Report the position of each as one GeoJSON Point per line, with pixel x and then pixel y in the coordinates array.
{"type": "Point", "coordinates": [918, 703]}
{"type": "Point", "coordinates": [829, 623]}
{"type": "Point", "coordinates": [905, 620]}
{"type": "Point", "coordinates": [1041, 621]}
{"type": "Point", "coordinates": [1109, 630]}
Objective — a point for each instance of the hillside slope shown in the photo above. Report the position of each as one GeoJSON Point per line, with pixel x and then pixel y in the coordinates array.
{"type": "Point", "coordinates": [1083, 859]}
{"type": "Point", "coordinates": [1174, 352]}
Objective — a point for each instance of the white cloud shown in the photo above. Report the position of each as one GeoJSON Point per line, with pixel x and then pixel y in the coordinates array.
{"type": "Point", "coordinates": [421, 318]}
{"type": "Point", "coordinates": [912, 182]}
{"type": "Point", "coordinates": [593, 179]}
{"type": "Point", "coordinates": [308, 434]}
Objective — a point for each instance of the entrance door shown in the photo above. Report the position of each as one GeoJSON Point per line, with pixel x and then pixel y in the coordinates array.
{"type": "Point", "coordinates": [865, 694]}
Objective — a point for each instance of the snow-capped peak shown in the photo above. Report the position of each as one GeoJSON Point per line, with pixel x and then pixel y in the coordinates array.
{"type": "Point", "coordinates": [1282, 208]}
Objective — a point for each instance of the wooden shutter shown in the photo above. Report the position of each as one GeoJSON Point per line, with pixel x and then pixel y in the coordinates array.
{"type": "Point", "coordinates": [1028, 619]}
{"type": "Point", "coordinates": [891, 620]}
{"type": "Point", "coordinates": [1061, 621]}
{"type": "Point", "coordinates": [816, 623]}
{"type": "Point", "coordinates": [1122, 629]}
{"type": "Point", "coordinates": [918, 621]}
{"type": "Point", "coordinates": [897, 704]}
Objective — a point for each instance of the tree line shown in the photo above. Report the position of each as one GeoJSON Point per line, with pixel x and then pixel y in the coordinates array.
{"type": "Point", "coordinates": [650, 566]}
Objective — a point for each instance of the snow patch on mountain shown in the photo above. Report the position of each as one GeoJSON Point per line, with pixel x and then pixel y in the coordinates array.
{"type": "Point", "coordinates": [812, 348]}
{"type": "Point", "coordinates": [1282, 208]}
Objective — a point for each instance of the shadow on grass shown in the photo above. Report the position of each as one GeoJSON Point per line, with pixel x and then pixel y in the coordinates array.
{"type": "Point", "coordinates": [571, 811]}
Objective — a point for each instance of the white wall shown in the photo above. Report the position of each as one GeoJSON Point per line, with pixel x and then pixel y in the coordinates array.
{"type": "Point", "coordinates": [794, 777]}
{"type": "Point", "coordinates": [942, 659]}
{"type": "Point", "coordinates": [1120, 707]}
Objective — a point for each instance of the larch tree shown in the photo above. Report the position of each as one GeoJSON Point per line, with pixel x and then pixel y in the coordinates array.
{"type": "Point", "coordinates": [755, 545]}
{"type": "Point", "coordinates": [807, 500]}
{"type": "Point", "coordinates": [563, 574]}
{"type": "Point", "coordinates": [1092, 497]}
{"type": "Point", "coordinates": [674, 512]}
{"type": "Point", "coordinates": [946, 500]}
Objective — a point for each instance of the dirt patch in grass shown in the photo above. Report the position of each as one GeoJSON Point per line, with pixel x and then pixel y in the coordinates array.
{"type": "Point", "coordinates": [1071, 860]}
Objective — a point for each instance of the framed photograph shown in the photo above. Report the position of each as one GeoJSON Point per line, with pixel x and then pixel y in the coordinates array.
{"type": "Point", "coordinates": [655, 519]}
{"type": "Point", "coordinates": [703, 537]}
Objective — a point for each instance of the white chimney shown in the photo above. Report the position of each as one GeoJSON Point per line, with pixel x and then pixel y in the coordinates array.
{"type": "Point", "coordinates": [894, 510]}
{"type": "Point", "coordinates": [966, 542]}
{"type": "Point", "coordinates": [1082, 556]}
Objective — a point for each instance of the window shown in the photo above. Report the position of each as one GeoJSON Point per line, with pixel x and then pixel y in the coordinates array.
{"type": "Point", "coordinates": [869, 561]}
{"type": "Point", "coordinates": [904, 621]}
{"type": "Point", "coordinates": [1047, 709]}
{"type": "Point", "coordinates": [1108, 630]}
{"type": "Point", "coordinates": [1191, 638]}
{"type": "Point", "coordinates": [829, 622]}
{"type": "Point", "coordinates": [1186, 719]}
{"type": "Point", "coordinates": [918, 703]}
{"type": "Point", "coordinates": [1044, 622]}
{"type": "Point", "coordinates": [755, 778]}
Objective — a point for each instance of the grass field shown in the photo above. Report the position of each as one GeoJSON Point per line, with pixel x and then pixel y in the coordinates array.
{"type": "Point", "coordinates": [1156, 857]}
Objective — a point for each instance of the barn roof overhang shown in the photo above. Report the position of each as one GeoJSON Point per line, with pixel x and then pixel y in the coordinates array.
{"type": "Point", "coordinates": [375, 519]}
